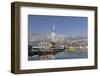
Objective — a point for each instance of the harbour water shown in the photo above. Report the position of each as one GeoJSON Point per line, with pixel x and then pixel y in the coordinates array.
{"type": "Point", "coordinates": [77, 54]}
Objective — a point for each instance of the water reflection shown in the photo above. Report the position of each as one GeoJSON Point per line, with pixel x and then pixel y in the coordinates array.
{"type": "Point", "coordinates": [66, 54]}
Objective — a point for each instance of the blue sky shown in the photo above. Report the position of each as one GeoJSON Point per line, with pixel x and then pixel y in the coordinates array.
{"type": "Point", "coordinates": [65, 25]}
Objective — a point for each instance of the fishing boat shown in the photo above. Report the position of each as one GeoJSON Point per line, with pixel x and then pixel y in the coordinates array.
{"type": "Point", "coordinates": [49, 51]}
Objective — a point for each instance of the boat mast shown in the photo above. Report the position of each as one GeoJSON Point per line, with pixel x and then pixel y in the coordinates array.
{"type": "Point", "coordinates": [53, 33]}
